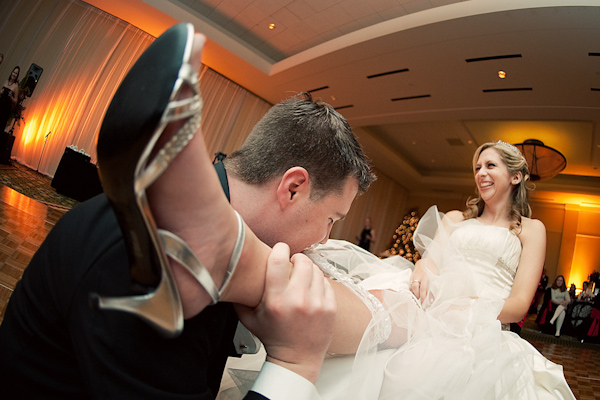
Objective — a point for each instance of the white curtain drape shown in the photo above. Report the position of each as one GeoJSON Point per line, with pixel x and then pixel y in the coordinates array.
{"type": "Point", "coordinates": [85, 53]}
{"type": "Point", "coordinates": [230, 112]}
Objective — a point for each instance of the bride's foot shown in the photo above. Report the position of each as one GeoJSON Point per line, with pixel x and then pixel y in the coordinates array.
{"type": "Point", "coordinates": [166, 195]}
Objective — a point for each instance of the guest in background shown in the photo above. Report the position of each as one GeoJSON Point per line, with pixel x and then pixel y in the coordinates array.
{"type": "Point", "coordinates": [539, 293]}
{"type": "Point", "coordinates": [367, 236]}
{"type": "Point", "coordinates": [9, 96]}
{"type": "Point", "coordinates": [560, 297]}
{"type": "Point", "coordinates": [572, 292]}
{"type": "Point", "coordinates": [586, 292]}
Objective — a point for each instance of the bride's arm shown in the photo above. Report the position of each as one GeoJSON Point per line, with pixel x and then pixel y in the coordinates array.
{"type": "Point", "coordinates": [419, 280]}
{"type": "Point", "coordinates": [353, 316]}
{"type": "Point", "coordinates": [533, 239]}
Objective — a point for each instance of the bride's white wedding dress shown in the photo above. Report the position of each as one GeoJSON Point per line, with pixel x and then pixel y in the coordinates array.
{"type": "Point", "coordinates": [452, 348]}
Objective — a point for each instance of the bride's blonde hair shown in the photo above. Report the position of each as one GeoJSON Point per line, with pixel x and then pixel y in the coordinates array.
{"type": "Point", "coordinates": [515, 163]}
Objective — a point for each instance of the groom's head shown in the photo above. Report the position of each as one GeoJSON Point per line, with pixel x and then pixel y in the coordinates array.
{"type": "Point", "coordinates": [306, 157]}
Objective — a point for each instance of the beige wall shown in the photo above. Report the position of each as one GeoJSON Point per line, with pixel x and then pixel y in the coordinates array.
{"type": "Point", "coordinates": [384, 203]}
{"type": "Point", "coordinates": [552, 215]}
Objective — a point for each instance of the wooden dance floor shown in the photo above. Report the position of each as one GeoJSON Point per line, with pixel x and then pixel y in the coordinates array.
{"type": "Point", "coordinates": [24, 223]}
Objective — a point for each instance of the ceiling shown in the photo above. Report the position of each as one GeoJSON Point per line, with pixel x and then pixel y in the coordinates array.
{"type": "Point", "coordinates": [418, 79]}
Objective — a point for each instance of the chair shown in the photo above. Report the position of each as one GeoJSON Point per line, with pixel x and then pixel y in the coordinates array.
{"type": "Point", "coordinates": [545, 314]}
{"type": "Point", "coordinates": [592, 331]}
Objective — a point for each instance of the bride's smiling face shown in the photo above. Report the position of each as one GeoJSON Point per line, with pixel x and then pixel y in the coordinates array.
{"type": "Point", "coordinates": [491, 175]}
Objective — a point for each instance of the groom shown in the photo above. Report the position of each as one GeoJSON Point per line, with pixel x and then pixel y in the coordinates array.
{"type": "Point", "coordinates": [292, 189]}
{"type": "Point", "coordinates": [297, 173]}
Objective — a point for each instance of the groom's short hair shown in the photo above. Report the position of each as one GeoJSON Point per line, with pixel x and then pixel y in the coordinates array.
{"type": "Point", "coordinates": [300, 132]}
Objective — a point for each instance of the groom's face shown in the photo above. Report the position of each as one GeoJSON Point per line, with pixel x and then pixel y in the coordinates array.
{"type": "Point", "coordinates": [310, 222]}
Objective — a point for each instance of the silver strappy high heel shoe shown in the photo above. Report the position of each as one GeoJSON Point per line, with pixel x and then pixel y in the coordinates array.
{"type": "Point", "coordinates": [144, 104]}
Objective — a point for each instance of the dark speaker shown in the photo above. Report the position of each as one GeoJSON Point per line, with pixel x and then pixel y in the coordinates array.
{"type": "Point", "coordinates": [6, 145]}
{"type": "Point", "coordinates": [31, 79]}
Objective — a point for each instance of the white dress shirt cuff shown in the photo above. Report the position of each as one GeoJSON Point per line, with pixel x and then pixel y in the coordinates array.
{"type": "Point", "coordinates": [278, 383]}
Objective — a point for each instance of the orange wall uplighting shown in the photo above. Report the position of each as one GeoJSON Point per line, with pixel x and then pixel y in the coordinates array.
{"type": "Point", "coordinates": [586, 259]}
{"type": "Point", "coordinates": [29, 131]}
{"type": "Point", "coordinates": [573, 234]}
{"type": "Point", "coordinates": [40, 123]}
{"type": "Point", "coordinates": [52, 115]}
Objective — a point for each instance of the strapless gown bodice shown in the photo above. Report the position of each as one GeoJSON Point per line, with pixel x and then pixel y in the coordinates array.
{"type": "Point", "coordinates": [493, 254]}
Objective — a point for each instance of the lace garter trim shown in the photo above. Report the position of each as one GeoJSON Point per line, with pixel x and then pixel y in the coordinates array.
{"type": "Point", "coordinates": [383, 324]}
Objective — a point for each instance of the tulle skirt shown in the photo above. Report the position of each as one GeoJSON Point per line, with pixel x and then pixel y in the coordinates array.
{"type": "Point", "coordinates": [454, 347]}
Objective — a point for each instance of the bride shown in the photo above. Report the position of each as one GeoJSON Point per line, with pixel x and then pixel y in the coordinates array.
{"type": "Point", "coordinates": [439, 329]}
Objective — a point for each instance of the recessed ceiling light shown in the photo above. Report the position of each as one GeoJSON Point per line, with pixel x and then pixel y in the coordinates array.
{"type": "Point", "coordinates": [271, 26]}
{"type": "Point", "coordinates": [501, 74]}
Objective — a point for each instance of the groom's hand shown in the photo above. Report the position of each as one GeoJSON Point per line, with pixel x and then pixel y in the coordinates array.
{"type": "Point", "coordinates": [295, 319]}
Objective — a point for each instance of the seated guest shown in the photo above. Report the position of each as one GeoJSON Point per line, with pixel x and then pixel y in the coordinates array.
{"type": "Point", "coordinates": [561, 298]}
{"type": "Point", "coordinates": [592, 327]}
{"type": "Point", "coordinates": [572, 292]}
{"type": "Point", "coordinates": [545, 312]}
{"type": "Point", "coordinates": [586, 292]}
{"type": "Point", "coordinates": [539, 293]}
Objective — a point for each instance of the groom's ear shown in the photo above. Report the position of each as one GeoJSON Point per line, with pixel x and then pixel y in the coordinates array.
{"type": "Point", "coordinates": [293, 187]}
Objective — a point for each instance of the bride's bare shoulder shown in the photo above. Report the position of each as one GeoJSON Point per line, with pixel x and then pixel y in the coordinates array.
{"type": "Point", "coordinates": [454, 216]}
{"type": "Point", "coordinates": [532, 227]}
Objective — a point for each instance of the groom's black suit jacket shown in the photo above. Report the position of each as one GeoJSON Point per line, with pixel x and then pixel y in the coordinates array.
{"type": "Point", "coordinates": [53, 345]}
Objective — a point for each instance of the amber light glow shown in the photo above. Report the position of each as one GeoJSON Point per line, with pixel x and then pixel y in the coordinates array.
{"type": "Point", "coordinates": [29, 131]}
{"type": "Point", "coordinates": [585, 259]}
{"type": "Point", "coordinates": [51, 124]}
{"type": "Point", "coordinates": [38, 126]}
{"type": "Point", "coordinates": [16, 200]}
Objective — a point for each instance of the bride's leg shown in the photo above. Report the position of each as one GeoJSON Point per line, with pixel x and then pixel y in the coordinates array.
{"type": "Point", "coordinates": [397, 313]}
{"type": "Point", "coordinates": [351, 321]}
{"type": "Point", "coordinates": [188, 200]}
